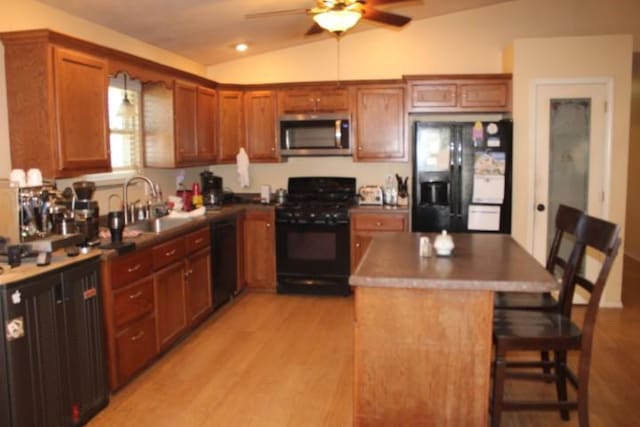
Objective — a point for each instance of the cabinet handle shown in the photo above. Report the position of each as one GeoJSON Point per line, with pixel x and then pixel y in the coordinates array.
{"type": "Point", "coordinates": [136, 295]}
{"type": "Point", "coordinates": [359, 148]}
{"type": "Point", "coordinates": [138, 336]}
{"type": "Point", "coordinates": [357, 245]}
{"type": "Point", "coordinates": [198, 241]}
{"type": "Point", "coordinates": [134, 268]}
{"type": "Point", "coordinates": [171, 252]}
{"type": "Point", "coordinates": [378, 224]}
{"type": "Point", "coordinates": [268, 224]}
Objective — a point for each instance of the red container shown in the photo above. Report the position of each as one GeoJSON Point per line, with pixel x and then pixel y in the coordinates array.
{"type": "Point", "coordinates": [187, 197]}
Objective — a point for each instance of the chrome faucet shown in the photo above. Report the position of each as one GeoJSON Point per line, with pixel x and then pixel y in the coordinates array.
{"type": "Point", "coordinates": [125, 187]}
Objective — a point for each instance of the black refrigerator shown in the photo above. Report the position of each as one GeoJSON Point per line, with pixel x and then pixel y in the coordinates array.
{"type": "Point", "coordinates": [462, 176]}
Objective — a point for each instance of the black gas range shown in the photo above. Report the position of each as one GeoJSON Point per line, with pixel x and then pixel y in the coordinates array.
{"type": "Point", "coordinates": [312, 236]}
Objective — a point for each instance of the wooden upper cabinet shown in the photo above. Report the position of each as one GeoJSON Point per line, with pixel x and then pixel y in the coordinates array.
{"type": "Point", "coordinates": [179, 125]}
{"type": "Point", "coordinates": [185, 106]}
{"type": "Point", "coordinates": [207, 118]}
{"type": "Point", "coordinates": [260, 116]}
{"type": "Point", "coordinates": [57, 107]}
{"type": "Point", "coordinates": [309, 100]}
{"type": "Point", "coordinates": [231, 135]}
{"type": "Point", "coordinates": [485, 93]}
{"type": "Point", "coordinates": [380, 124]}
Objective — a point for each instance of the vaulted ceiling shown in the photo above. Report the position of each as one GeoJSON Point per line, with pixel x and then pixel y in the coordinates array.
{"type": "Point", "coordinates": [206, 30]}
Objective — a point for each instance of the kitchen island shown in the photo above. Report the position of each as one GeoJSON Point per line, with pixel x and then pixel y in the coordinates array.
{"type": "Point", "coordinates": [423, 327]}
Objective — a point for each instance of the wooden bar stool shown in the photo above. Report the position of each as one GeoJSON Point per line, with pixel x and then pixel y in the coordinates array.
{"type": "Point", "coordinates": [553, 331]}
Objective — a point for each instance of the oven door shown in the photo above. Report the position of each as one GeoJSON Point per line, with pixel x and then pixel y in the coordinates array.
{"type": "Point", "coordinates": [313, 258]}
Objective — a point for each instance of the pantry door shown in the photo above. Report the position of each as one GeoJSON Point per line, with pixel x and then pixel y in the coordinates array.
{"type": "Point", "coordinates": [572, 141]}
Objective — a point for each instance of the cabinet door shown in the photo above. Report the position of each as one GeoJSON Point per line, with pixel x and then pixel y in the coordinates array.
{"type": "Point", "coordinates": [433, 96]}
{"type": "Point", "coordinates": [297, 101]}
{"type": "Point", "coordinates": [230, 125]}
{"type": "Point", "coordinates": [260, 116]}
{"type": "Point", "coordinates": [34, 312]}
{"type": "Point", "coordinates": [81, 84]}
{"type": "Point", "coordinates": [259, 249]}
{"type": "Point", "coordinates": [332, 100]}
{"type": "Point", "coordinates": [380, 124]}
{"type": "Point", "coordinates": [206, 124]}
{"type": "Point", "coordinates": [184, 107]}
{"type": "Point", "coordinates": [170, 291]}
{"type": "Point", "coordinates": [83, 343]}
{"type": "Point", "coordinates": [487, 95]}
{"type": "Point", "coordinates": [135, 348]}
{"type": "Point", "coordinates": [199, 286]}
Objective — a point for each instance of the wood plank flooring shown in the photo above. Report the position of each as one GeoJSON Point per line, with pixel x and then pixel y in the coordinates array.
{"type": "Point", "coordinates": [273, 360]}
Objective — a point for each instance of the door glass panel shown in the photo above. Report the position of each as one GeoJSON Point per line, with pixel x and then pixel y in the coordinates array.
{"type": "Point", "coordinates": [569, 129]}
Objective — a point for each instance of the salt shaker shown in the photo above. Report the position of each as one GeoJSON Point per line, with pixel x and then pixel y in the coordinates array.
{"type": "Point", "coordinates": [443, 244]}
{"type": "Point", "coordinates": [425, 247]}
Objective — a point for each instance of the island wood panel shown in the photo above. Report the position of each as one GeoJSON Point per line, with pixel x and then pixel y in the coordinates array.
{"type": "Point", "coordinates": [437, 371]}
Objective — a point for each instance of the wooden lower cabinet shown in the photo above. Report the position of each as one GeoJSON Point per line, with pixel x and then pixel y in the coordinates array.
{"type": "Point", "coordinates": [199, 301]}
{"type": "Point", "coordinates": [170, 289]}
{"type": "Point", "coordinates": [135, 348]}
{"type": "Point", "coordinates": [260, 249]}
{"type": "Point", "coordinates": [169, 292]}
{"type": "Point", "coordinates": [364, 226]}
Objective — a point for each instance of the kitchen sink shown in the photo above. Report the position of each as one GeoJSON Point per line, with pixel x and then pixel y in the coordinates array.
{"type": "Point", "coordinates": [158, 225]}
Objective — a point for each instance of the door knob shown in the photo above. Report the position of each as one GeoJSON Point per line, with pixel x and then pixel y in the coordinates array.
{"type": "Point", "coordinates": [540, 207]}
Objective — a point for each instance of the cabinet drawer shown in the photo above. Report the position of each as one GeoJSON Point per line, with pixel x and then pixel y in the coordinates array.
{"type": "Point", "coordinates": [197, 240]}
{"type": "Point", "coordinates": [167, 253]}
{"type": "Point", "coordinates": [135, 347]}
{"type": "Point", "coordinates": [129, 268]}
{"type": "Point", "coordinates": [132, 302]}
{"type": "Point", "coordinates": [379, 222]}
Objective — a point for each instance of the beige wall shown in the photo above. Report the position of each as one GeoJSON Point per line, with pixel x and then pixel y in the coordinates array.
{"type": "Point", "coordinates": [632, 234]}
{"type": "Point", "coordinates": [572, 57]}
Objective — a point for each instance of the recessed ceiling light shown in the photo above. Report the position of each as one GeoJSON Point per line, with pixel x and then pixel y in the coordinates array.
{"type": "Point", "coordinates": [241, 47]}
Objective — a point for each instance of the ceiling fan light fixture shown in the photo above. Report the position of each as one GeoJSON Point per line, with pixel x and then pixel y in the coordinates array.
{"type": "Point", "coordinates": [337, 21]}
{"type": "Point", "coordinates": [241, 47]}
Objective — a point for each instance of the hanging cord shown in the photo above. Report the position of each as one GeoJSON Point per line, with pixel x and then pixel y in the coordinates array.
{"type": "Point", "coordinates": [338, 59]}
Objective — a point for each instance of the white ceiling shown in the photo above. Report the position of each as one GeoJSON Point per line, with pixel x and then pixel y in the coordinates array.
{"type": "Point", "coordinates": [206, 30]}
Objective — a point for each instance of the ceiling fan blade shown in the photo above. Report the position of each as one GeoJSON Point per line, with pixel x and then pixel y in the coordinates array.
{"type": "Point", "coordinates": [385, 17]}
{"type": "Point", "coordinates": [315, 29]}
{"type": "Point", "coordinates": [272, 13]}
{"type": "Point", "coordinates": [381, 2]}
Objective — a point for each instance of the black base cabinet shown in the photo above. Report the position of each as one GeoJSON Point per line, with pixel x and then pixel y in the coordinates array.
{"type": "Point", "coordinates": [52, 370]}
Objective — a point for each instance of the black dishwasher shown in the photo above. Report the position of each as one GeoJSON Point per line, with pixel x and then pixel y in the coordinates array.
{"type": "Point", "coordinates": [224, 262]}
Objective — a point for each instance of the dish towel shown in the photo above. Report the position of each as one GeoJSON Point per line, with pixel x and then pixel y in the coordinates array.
{"type": "Point", "coordinates": [243, 168]}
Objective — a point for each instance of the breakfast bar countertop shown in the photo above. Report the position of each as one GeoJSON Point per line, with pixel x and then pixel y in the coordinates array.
{"type": "Point", "coordinates": [479, 261]}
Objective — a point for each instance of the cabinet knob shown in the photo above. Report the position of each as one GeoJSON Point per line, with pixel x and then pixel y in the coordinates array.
{"type": "Point", "coordinates": [268, 224]}
{"type": "Point", "coordinates": [359, 148]}
{"type": "Point", "coordinates": [378, 224]}
{"type": "Point", "coordinates": [357, 245]}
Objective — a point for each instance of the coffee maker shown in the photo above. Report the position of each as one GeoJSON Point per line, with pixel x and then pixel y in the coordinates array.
{"type": "Point", "coordinates": [86, 212]}
{"type": "Point", "coordinates": [211, 190]}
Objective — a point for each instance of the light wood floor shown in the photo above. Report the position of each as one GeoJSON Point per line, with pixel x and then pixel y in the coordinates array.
{"type": "Point", "coordinates": [272, 360]}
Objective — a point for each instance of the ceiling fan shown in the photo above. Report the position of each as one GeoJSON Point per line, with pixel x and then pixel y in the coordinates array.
{"type": "Point", "coordinates": [337, 16]}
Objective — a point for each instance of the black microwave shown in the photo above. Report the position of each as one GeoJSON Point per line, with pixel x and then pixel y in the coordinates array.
{"type": "Point", "coordinates": [315, 135]}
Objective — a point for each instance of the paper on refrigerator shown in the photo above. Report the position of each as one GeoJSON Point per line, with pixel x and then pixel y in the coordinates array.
{"type": "Point", "coordinates": [483, 217]}
{"type": "Point", "coordinates": [489, 177]}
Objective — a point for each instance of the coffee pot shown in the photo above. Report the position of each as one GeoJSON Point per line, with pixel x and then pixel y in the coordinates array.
{"type": "Point", "coordinates": [211, 189]}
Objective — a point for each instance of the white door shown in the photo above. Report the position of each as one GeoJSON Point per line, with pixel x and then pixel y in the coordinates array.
{"type": "Point", "coordinates": [571, 155]}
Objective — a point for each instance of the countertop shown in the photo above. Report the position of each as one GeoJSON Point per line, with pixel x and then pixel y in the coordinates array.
{"type": "Point", "coordinates": [382, 209]}
{"type": "Point", "coordinates": [28, 267]}
{"type": "Point", "coordinates": [479, 262]}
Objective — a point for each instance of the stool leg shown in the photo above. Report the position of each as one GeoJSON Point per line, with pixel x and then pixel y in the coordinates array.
{"type": "Point", "coordinates": [498, 389]}
{"type": "Point", "coordinates": [561, 380]}
{"type": "Point", "coordinates": [583, 392]}
{"type": "Point", "coordinates": [544, 356]}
